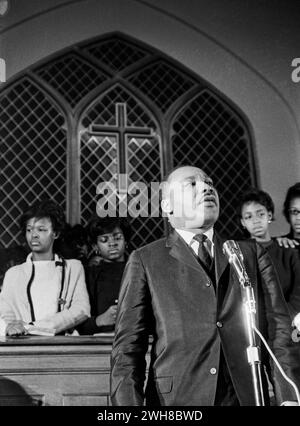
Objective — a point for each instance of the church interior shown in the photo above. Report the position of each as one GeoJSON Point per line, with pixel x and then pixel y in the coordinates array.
{"type": "Point", "coordinates": [122, 91]}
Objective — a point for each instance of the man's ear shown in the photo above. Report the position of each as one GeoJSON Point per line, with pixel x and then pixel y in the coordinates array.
{"type": "Point", "coordinates": [56, 235]}
{"type": "Point", "coordinates": [166, 206]}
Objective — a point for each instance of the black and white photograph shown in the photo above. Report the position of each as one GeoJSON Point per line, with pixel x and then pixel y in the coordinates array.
{"type": "Point", "coordinates": [150, 206]}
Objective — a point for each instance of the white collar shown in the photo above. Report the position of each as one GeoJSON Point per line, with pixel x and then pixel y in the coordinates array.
{"type": "Point", "coordinates": [188, 235]}
{"type": "Point", "coordinates": [28, 265]}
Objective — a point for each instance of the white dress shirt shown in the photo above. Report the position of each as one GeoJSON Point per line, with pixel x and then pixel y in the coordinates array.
{"type": "Point", "coordinates": [188, 237]}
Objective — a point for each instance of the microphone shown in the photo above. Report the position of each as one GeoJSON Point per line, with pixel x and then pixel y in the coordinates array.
{"type": "Point", "coordinates": [232, 251]}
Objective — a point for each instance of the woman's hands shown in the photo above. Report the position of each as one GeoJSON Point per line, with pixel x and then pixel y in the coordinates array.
{"type": "Point", "coordinates": [16, 328]}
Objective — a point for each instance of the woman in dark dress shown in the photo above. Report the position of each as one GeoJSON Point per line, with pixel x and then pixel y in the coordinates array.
{"type": "Point", "coordinates": [109, 237]}
{"type": "Point", "coordinates": [256, 213]}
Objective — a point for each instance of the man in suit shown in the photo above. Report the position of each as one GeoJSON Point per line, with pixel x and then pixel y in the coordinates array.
{"type": "Point", "coordinates": [192, 306]}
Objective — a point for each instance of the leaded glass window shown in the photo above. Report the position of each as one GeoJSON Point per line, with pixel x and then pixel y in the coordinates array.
{"type": "Point", "coordinates": [61, 132]}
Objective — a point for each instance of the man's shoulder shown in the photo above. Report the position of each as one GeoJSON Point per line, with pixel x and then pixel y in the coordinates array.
{"type": "Point", "coordinates": [151, 251]}
{"type": "Point", "coordinates": [152, 247]}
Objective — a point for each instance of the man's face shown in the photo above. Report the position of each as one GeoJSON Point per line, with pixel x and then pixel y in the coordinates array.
{"type": "Point", "coordinates": [192, 201]}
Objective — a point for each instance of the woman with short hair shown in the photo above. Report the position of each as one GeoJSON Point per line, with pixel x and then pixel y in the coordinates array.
{"type": "Point", "coordinates": [46, 291]}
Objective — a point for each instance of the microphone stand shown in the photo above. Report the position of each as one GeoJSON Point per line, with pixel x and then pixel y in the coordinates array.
{"type": "Point", "coordinates": [253, 353]}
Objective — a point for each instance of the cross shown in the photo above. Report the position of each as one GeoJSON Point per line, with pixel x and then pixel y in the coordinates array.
{"type": "Point", "coordinates": [121, 131]}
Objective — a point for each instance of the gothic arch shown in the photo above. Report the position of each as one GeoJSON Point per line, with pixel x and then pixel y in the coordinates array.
{"type": "Point", "coordinates": [177, 105]}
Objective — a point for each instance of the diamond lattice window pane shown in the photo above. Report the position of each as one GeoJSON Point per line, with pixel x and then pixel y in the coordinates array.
{"type": "Point", "coordinates": [206, 131]}
{"type": "Point", "coordinates": [116, 53]}
{"type": "Point", "coordinates": [162, 83]}
{"type": "Point", "coordinates": [98, 164]}
{"type": "Point", "coordinates": [32, 156]}
{"type": "Point", "coordinates": [72, 77]}
{"type": "Point", "coordinates": [100, 153]}
{"type": "Point", "coordinates": [144, 167]}
{"type": "Point", "coordinates": [208, 134]}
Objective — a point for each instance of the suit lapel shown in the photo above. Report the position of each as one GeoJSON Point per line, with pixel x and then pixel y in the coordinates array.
{"type": "Point", "coordinates": [180, 251]}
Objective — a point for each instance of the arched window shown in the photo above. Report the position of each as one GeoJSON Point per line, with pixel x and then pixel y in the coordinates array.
{"type": "Point", "coordinates": [112, 107]}
{"type": "Point", "coordinates": [33, 159]}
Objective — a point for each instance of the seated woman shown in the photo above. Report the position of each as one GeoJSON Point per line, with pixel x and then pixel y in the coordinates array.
{"type": "Point", "coordinates": [46, 291]}
{"type": "Point", "coordinates": [109, 237]}
{"type": "Point", "coordinates": [256, 211]}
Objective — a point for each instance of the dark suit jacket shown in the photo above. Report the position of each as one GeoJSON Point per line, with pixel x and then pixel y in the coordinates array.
{"type": "Point", "coordinates": [166, 292]}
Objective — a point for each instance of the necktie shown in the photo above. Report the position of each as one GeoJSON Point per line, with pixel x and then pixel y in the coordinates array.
{"type": "Point", "coordinates": [203, 252]}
